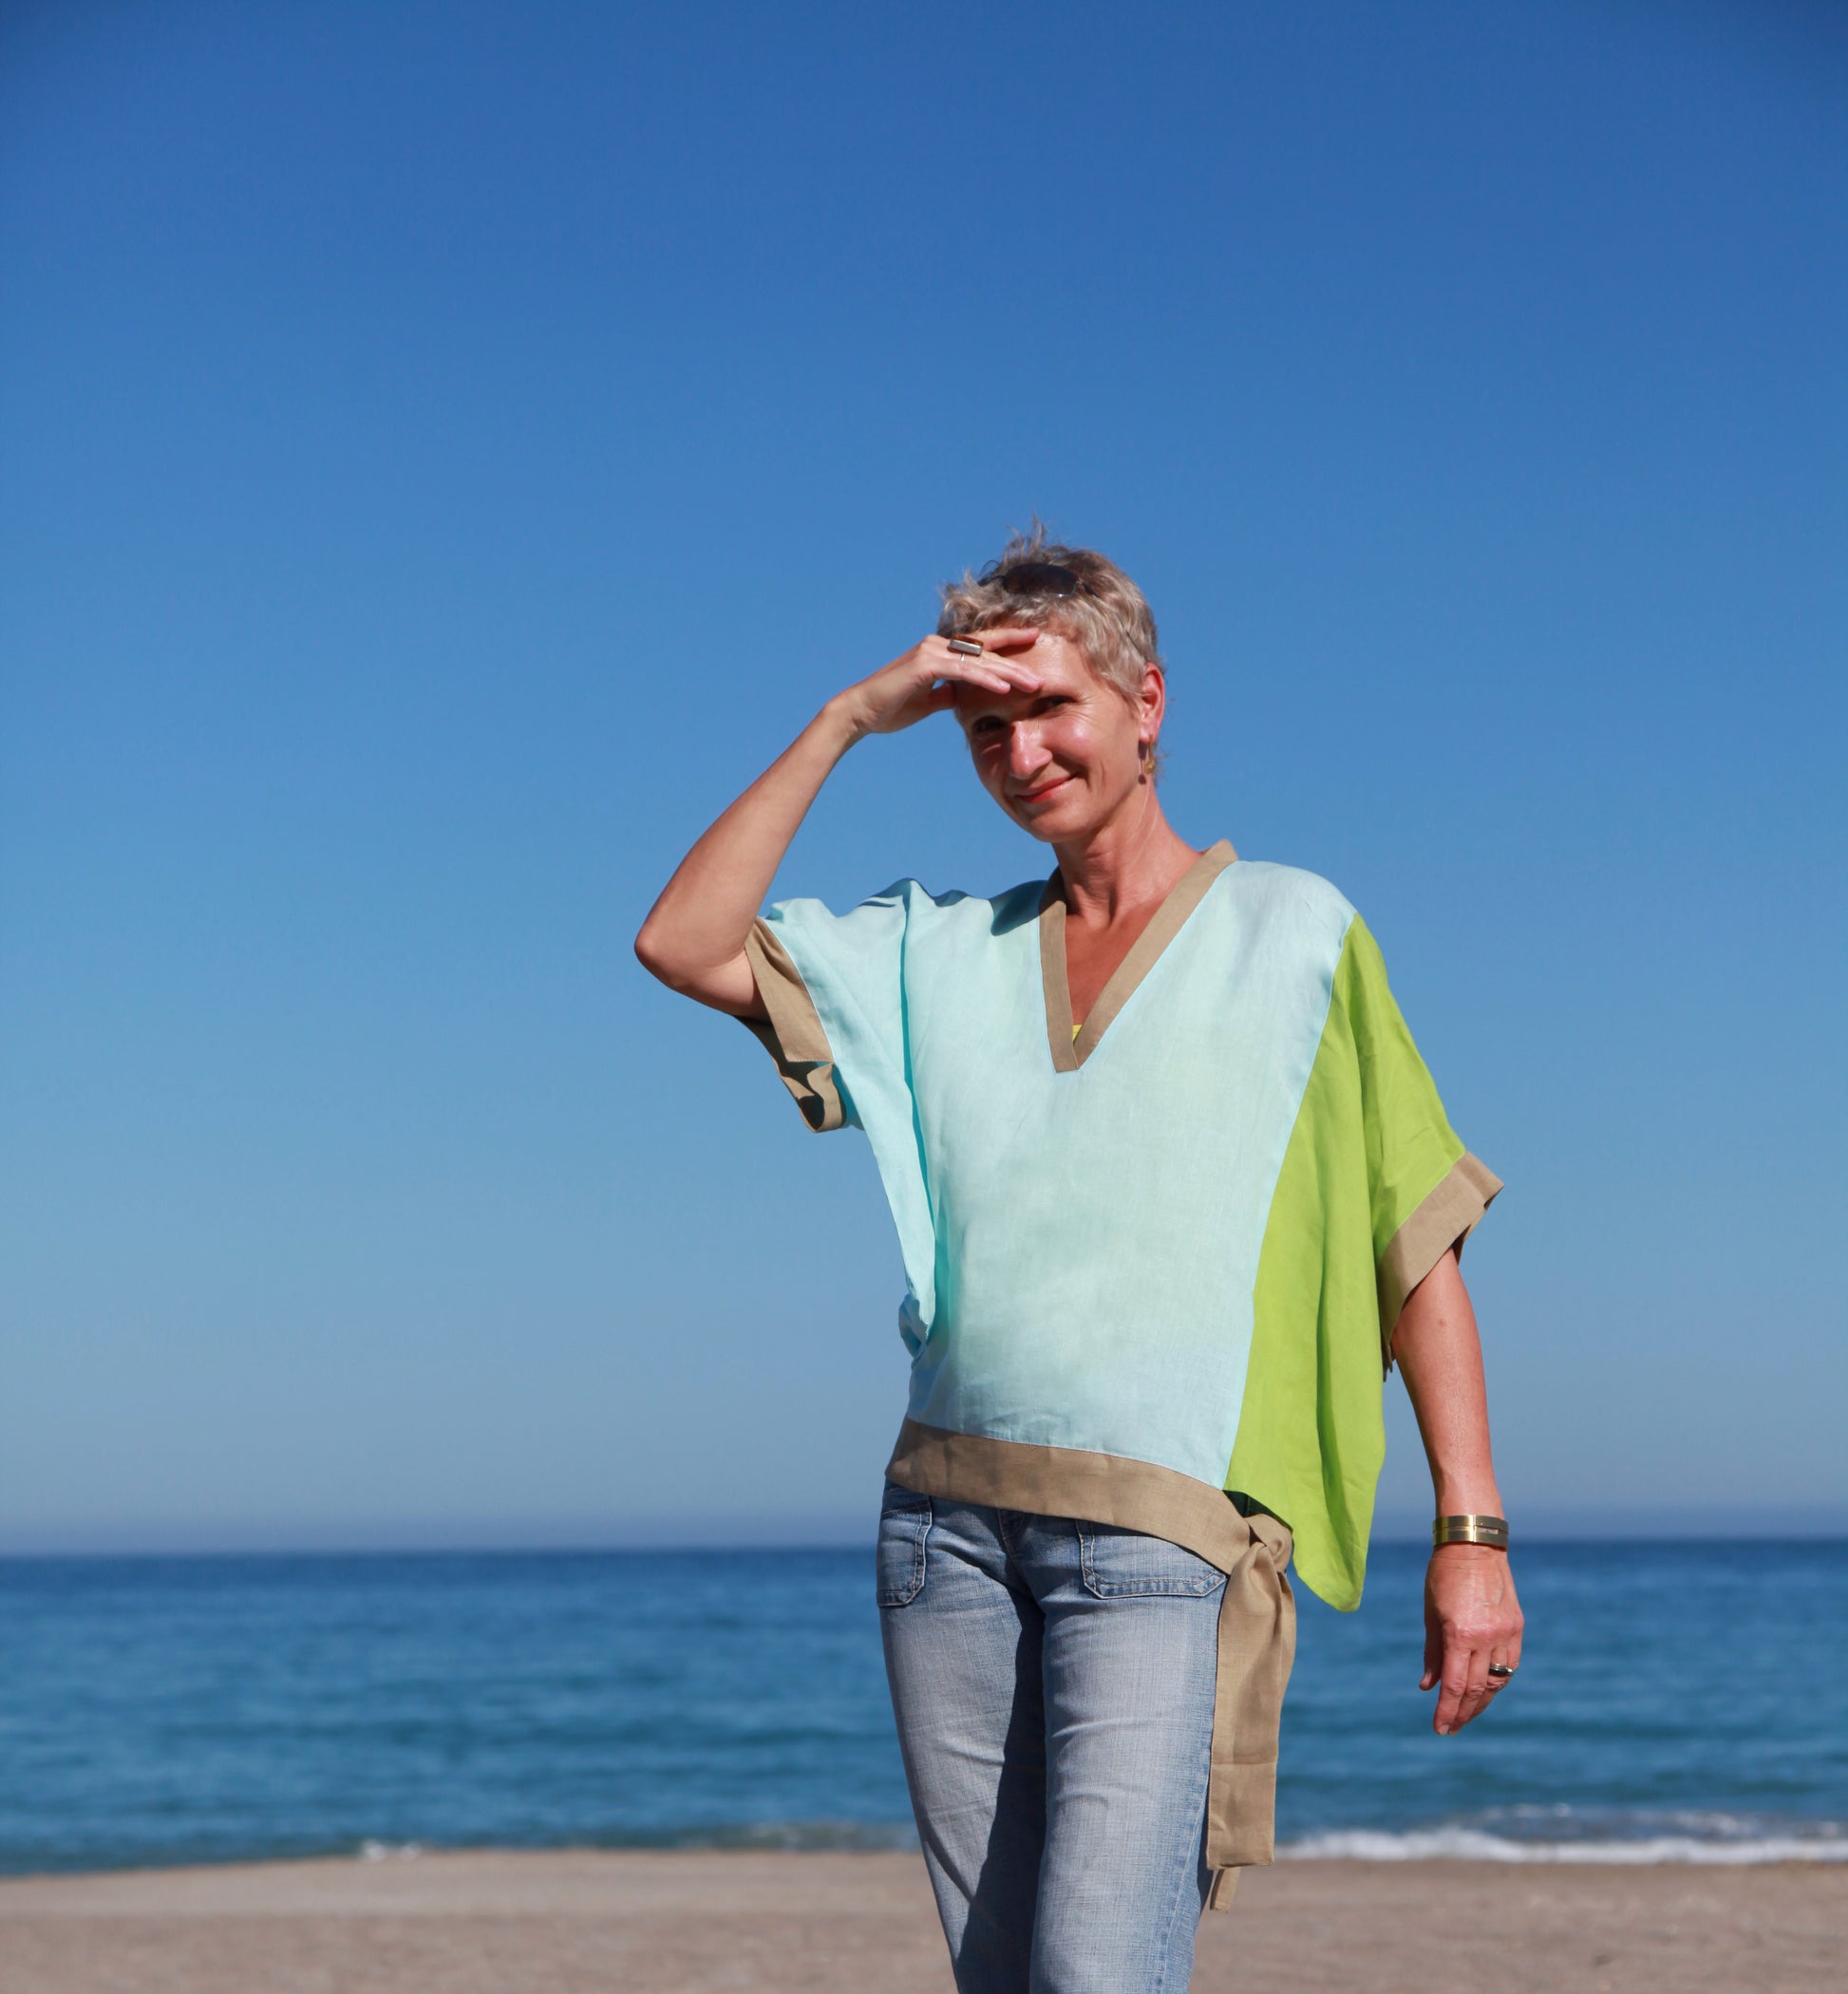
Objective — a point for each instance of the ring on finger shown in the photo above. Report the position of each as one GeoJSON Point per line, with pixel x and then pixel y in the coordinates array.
{"type": "Point", "coordinates": [1501, 1671]}
{"type": "Point", "coordinates": [964, 649]}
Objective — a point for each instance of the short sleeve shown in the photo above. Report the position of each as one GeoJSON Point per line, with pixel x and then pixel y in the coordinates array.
{"type": "Point", "coordinates": [1426, 1193]}
{"type": "Point", "coordinates": [832, 985]}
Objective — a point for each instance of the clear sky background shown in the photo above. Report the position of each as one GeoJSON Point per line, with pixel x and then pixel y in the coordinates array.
{"type": "Point", "coordinates": [447, 450]}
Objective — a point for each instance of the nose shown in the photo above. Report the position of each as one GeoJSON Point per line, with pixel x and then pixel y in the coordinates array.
{"type": "Point", "coordinates": [1027, 755]}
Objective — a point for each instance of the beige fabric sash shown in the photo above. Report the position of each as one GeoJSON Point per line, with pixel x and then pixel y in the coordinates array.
{"type": "Point", "coordinates": [1257, 1612]}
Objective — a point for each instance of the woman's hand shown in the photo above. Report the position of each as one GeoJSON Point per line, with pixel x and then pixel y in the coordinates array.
{"type": "Point", "coordinates": [924, 681]}
{"type": "Point", "coordinates": [1471, 1618]}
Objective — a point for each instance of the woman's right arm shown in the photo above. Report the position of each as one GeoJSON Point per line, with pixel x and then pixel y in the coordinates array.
{"type": "Point", "coordinates": [694, 937]}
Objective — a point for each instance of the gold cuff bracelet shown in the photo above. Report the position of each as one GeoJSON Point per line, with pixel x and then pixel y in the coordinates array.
{"type": "Point", "coordinates": [1492, 1531]}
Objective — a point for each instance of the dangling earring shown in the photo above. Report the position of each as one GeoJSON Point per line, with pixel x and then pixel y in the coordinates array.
{"type": "Point", "coordinates": [1148, 758]}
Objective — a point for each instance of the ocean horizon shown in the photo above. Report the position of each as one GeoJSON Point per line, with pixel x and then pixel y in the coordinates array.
{"type": "Point", "coordinates": [816, 1528]}
{"type": "Point", "coordinates": [1680, 1701]}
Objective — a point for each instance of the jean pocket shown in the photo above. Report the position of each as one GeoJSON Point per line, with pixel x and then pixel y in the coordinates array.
{"type": "Point", "coordinates": [1120, 1564]}
{"type": "Point", "coordinates": [904, 1528]}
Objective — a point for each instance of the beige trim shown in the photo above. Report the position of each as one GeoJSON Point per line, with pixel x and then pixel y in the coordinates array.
{"type": "Point", "coordinates": [1444, 1219]}
{"type": "Point", "coordinates": [792, 1033]}
{"type": "Point", "coordinates": [1070, 1051]}
{"type": "Point", "coordinates": [1257, 1612]}
{"type": "Point", "coordinates": [1060, 1034]}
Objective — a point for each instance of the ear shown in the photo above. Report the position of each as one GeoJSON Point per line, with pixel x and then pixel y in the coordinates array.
{"type": "Point", "coordinates": [1152, 702]}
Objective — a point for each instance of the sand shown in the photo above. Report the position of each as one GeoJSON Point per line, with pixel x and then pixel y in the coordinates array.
{"type": "Point", "coordinates": [673, 1923]}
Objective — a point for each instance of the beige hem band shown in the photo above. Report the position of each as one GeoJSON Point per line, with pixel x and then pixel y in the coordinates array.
{"type": "Point", "coordinates": [1257, 1612]}
{"type": "Point", "coordinates": [792, 1033]}
{"type": "Point", "coordinates": [1445, 1219]}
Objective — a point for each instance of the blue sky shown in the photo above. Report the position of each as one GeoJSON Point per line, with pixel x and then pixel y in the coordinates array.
{"type": "Point", "coordinates": [450, 449]}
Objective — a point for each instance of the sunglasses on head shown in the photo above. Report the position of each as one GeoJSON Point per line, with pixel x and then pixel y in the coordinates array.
{"type": "Point", "coordinates": [1042, 578]}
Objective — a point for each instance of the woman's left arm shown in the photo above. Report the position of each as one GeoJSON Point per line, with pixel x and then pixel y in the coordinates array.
{"type": "Point", "coordinates": [1471, 1614]}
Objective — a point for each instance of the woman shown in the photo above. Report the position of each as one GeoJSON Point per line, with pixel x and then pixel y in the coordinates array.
{"type": "Point", "coordinates": [1173, 1190]}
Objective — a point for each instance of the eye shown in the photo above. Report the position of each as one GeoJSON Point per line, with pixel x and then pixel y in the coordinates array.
{"type": "Point", "coordinates": [987, 725]}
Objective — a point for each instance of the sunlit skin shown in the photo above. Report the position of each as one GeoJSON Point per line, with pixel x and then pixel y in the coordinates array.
{"type": "Point", "coordinates": [1061, 751]}
{"type": "Point", "coordinates": [1064, 757]}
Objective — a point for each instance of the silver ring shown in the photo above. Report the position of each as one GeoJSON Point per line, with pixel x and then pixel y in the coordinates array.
{"type": "Point", "coordinates": [1501, 1669]}
{"type": "Point", "coordinates": [964, 649]}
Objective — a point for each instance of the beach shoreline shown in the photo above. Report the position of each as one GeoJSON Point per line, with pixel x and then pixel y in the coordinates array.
{"type": "Point", "coordinates": [673, 1922]}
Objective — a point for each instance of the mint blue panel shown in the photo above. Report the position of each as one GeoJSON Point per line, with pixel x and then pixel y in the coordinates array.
{"type": "Point", "coordinates": [1080, 1246]}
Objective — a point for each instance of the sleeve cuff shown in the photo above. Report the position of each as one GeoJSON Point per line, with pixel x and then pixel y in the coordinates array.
{"type": "Point", "coordinates": [792, 1034]}
{"type": "Point", "coordinates": [1445, 1219]}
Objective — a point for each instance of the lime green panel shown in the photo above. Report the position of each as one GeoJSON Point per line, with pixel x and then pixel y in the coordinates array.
{"type": "Point", "coordinates": [1369, 1144]}
{"type": "Point", "coordinates": [1410, 1146]}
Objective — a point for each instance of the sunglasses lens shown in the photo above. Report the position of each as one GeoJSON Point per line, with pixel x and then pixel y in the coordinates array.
{"type": "Point", "coordinates": [1041, 579]}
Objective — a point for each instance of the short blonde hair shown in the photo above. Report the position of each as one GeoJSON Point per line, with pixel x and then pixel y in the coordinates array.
{"type": "Point", "coordinates": [1109, 619]}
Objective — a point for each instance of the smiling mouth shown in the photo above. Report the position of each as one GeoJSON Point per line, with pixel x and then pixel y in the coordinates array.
{"type": "Point", "coordinates": [1045, 789]}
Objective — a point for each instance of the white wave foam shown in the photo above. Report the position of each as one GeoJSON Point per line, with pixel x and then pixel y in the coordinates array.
{"type": "Point", "coordinates": [390, 1852]}
{"type": "Point", "coordinates": [1473, 1845]}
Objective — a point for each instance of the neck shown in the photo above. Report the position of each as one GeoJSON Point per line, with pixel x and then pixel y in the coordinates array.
{"type": "Point", "coordinates": [1127, 863]}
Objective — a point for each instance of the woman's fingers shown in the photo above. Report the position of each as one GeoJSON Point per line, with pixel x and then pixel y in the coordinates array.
{"type": "Point", "coordinates": [1470, 1679]}
{"type": "Point", "coordinates": [1454, 1685]}
{"type": "Point", "coordinates": [1433, 1650]}
{"type": "Point", "coordinates": [998, 674]}
{"type": "Point", "coordinates": [1001, 651]}
{"type": "Point", "coordinates": [1476, 1686]}
{"type": "Point", "coordinates": [1003, 638]}
{"type": "Point", "coordinates": [972, 672]}
{"type": "Point", "coordinates": [1007, 637]}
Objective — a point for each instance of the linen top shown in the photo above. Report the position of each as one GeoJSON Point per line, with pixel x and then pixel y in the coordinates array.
{"type": "Point", "coordinates": [1178, 1240]}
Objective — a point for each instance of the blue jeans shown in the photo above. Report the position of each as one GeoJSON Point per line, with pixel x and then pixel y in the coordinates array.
{"type": "Point", "coordinates": [1053, 1684]}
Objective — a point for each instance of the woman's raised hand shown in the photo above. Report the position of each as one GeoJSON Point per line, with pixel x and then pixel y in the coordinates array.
{"type": "Point", "coordinates": [924, 681]}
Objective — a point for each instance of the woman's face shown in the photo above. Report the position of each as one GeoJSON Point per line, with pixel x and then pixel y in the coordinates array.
{"type": "Point", "coordinates": [1061, 760]}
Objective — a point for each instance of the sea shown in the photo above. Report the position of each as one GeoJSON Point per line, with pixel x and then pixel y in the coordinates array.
{"type": "Point", "coordinates": [1678, 1702]}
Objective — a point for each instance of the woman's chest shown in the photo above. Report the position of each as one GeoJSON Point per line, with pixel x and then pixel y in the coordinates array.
{"type": "Point", "coordinates": [1207, 1054]}
{"type": "Point", "coordinates": [1094, 956]}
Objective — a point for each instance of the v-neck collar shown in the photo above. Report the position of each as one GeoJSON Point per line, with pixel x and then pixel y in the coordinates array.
{"type": "Point", "coordinates": [1069, 1053]}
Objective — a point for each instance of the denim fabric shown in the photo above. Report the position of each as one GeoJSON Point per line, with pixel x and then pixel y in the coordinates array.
{"type": "Point", "coordinates": [1053, 1684]}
